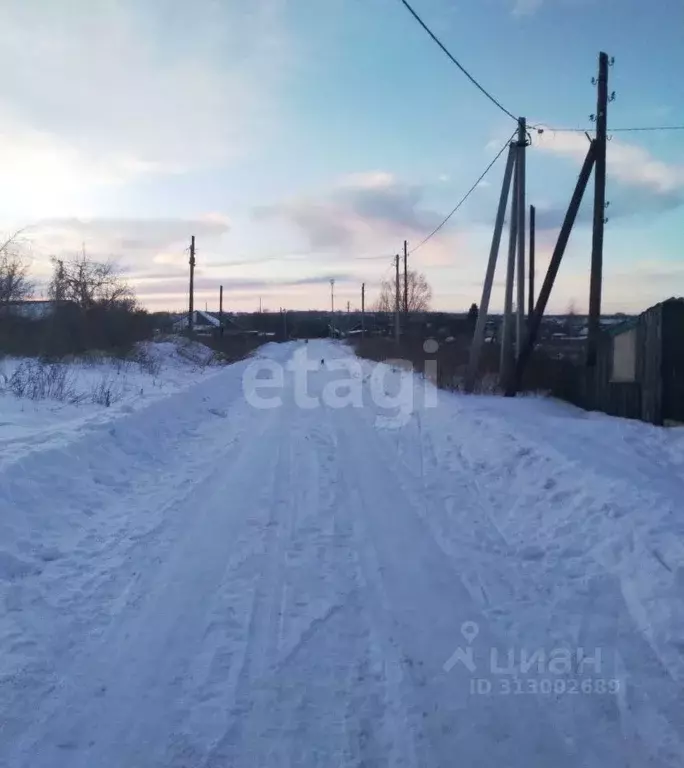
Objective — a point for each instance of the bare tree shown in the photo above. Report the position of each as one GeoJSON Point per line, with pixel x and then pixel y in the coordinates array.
{"type": "Point", "coordinates": [89, 283]}
{"type": "Point", "coordinates": [15, 284]}
{"type": "Point", "coordinates": [419, 294]}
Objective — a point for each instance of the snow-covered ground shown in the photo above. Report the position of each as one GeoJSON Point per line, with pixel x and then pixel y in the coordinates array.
{"type": "Point", "coordinates": [341, 568]}
{"type": "Point", "coordinates": [90, 391]}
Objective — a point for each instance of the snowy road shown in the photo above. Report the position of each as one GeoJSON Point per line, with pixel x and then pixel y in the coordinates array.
{"type": "Point", "coordinates": [245, 586]}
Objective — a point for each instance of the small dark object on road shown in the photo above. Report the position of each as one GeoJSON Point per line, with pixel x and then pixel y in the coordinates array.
{"type": "Point", "coordinates": [322, 361]}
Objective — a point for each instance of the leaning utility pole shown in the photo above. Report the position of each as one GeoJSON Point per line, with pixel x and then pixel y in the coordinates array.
{"type": "Point", "coordinates": [363, 311]}
{"type": "Point", "coordinates": [506, 362]}
{"type": "Point", "coordinates": [191, 314]}
{"type": "Point", "coordinates": [397, 304]}
{"type": "Point", "coordinates": [481, 324]}
{"type": "Point", "coordinates": [533, 214]}
{"type": "Point", "coordinates": [522, 210]}
{"type": "Point", "coordinates": [405, 282]}
{"type": "Point", "coordinates": [599, 212]}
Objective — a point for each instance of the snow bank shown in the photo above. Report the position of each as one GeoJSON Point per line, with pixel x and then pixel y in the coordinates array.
{"type": "Point", "coordinates": [79, 494]}
{"type": "Point", "coordinates": [92, 390]}
{"type": "Point", "coordinates": [580, 522]}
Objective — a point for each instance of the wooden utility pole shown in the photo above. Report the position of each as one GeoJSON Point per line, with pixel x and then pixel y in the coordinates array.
{"type": "Point", "coordinates": [481, 324]}
{"type": "Point", "coordinates": [522, 211]}
{"type": "Point", "coordinates": [191, 314]}
{"type": "Point", "coordinates": [533, 214]}
{"type": "Point", "coordinates": [514, 383]}
{"type": "Point", "coordinates": [332, 307]}
{"type": "Point", "coordinates": [406, 298]}
{"type": "Point", "coordinates": [221, 306]}
{"type": "Point", "coordinates": [363, 311]}
{"type": "Point", "coordinates": [397, 304]}
{"type": "Point", "coordinates": [506, 362]}
{"type": "Point", "coordinates": [595, 283]}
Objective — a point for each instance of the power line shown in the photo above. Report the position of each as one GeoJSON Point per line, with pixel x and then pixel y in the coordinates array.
{"type": "Point", "coordinates": [465, 197]}
{"type": "Point", "coordinates": [542, 128]}
{"type": "Point", "coordinates": [456, 62]}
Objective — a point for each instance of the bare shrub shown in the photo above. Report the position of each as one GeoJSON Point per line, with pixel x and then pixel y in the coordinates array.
{"type": "Point", "coordinates": [104, 393]}
{"type": "Point", "coordinates": [146, 361]}
{"type": "Point", "coordinates": [36, 380]}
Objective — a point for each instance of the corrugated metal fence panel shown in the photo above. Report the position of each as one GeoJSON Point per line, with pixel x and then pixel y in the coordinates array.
{"type": "Point", "coordinates": [673, 360]}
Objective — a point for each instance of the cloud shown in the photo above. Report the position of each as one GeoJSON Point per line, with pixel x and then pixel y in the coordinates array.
{"type": "Point", "coordinates": [522, 8]}
{"type": "Point", "coordinates": [135, 245]}
{"type": "Point", "coordinates": [100, 93]}
{"type": "Point", "coordinates": [150, 286]}
{"type": "Point", "coordinates": [628, 163]}
{"type": "Point", "coordinates": [364, 215]}
{"type": "Point", "coordinates": [46, 175]}
{"type": "Point", "coordinates": [638, 183]}
{"type": "Point", "coordinates": [526, 7]}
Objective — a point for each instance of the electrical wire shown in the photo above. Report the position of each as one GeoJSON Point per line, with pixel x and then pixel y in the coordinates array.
{"type": "Point", "coordinates": [483, 90]}
{"type": "Point", "coordinates": [542, 128]}
{"type": "Point", "coordinates": [465, 197]}
{"type": "Point", "coordinates": [456, 62]}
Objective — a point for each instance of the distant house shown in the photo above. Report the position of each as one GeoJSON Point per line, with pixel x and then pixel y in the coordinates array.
{"type": "Point", "coordinates": [211, 323]}
{"type": "Point", "coordinates": [640, 367]}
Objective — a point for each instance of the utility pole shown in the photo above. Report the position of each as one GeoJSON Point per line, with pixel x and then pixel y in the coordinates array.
{"type": "Point", "coordinates": [332, 307]}
{"type": "Point", "coordinates": [533, 214]}
{"type": "Point", "coordinates": [191, 315]}
{"type": "Point", "coordinates": [221, 310]}
{"type": "Point", "coordinates": [506, 362]}
{"type": "Point", "coordinates": [363, 311]}
{"type": "Point", "coordinates": [595, 284]}
{"type": "Point", "coordinates": [405, 283]}
{"type": "Point", "coordinates": [513, 384]}
{"type": "Point", "coordinates": [481, 324]}
{"type": "Point", "coordinates": [348, 307]}
{"type": "Point", "coordinates": [397, 304]}
{"type": "Point", "coordinates": [522, 210]}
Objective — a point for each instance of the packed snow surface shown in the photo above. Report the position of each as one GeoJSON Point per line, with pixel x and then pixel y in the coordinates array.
{"type": "Point", "coordinates": [338, 566]}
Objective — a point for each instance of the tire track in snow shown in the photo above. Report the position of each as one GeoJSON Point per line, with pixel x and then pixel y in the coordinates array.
{"type": "Point", "coordinates": [424, 605]}
{"type": "Point", "coordinates": [307, 687]}
{"type": "Point", "coordinates": [142, 656]}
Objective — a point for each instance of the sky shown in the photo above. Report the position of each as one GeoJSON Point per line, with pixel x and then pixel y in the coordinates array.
{"type": "Point", "coordinates": [304, 140]}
